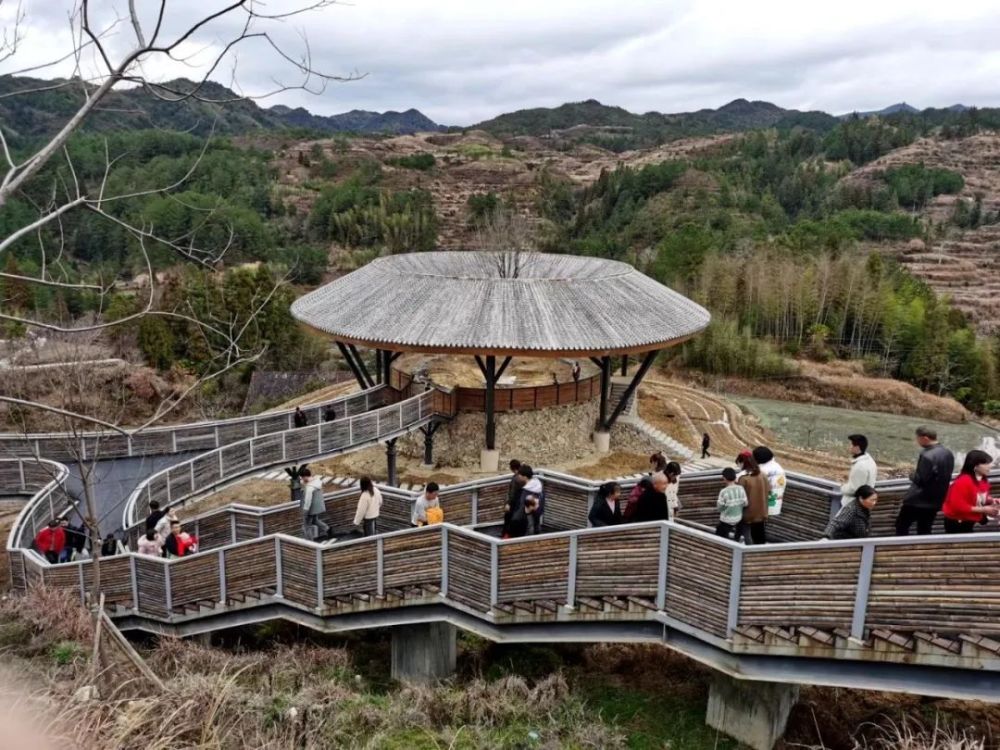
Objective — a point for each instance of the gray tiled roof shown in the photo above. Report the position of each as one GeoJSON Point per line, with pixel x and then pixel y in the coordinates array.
{"type": "Point", "coordinates": [463, 300]}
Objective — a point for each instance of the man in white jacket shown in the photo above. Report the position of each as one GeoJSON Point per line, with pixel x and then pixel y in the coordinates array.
{"type": "Point", "coordinates": [776, 479]}
{"type": "Point", "coordinates": [863, 469]}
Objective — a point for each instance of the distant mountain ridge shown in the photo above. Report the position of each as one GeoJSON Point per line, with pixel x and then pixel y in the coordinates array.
{"type": "Point", "coordinates": [42, 113]}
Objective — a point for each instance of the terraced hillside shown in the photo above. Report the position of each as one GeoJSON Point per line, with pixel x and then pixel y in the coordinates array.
{"type": "Point", "coordinates": [962, 264]}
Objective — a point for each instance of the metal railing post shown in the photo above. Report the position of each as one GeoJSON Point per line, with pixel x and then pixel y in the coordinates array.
{"type": "Point", "coordinates": [167, 587]}
{"type": "Point", "coordinates": [173, 441]}
{"type": "Point", "coordinates": [475, 505]}
{"type": "Point", "coordinates": [661, 570]}
{"type": "Point", "coordinates": [191, 465]}
{"type": "Point", "coordinates": [222, 472]}
{"type": "Point", "coordinates": [494, 574]}
{"type": "Point", "coordinates": [861, 593]}
{"type": "Point", "coordinates": [571, 573]}
{"type": "Point", "coordinates": [735, 579]}
{"type": "Point", "coordinates": [83, 587]}
{"type": "Point", "coordinates": [222, 578]}
{"type": "Point", "coordinates": [216, 431]}
{"type": "Point", "coordinates": [444, 561]}
{"type": "Point", "coordinates": [284, 447]}
{"type": "Point", "coordinates": [134, 580]}
{"type": "Point", "coordinates": [279, 587]}
{"type": "Point", "coordinates": [319, 436]}
{"type": "Point", "coordinates": [167, 477]}
{"type": "Point", "coordinates": [128, 442]}
{"type": "Point", "coordinates": [350, 431]}
{"type": "Point", "coordinates": [20, 469]}
{"type": "Point", "coordinates": [320, 593]}
{"type": "Point", "coordinates": [379, 567]}
{"type": "Point", "coordinates": [232, 527]}
{"type": "Point", "coordinates": [260, 525]}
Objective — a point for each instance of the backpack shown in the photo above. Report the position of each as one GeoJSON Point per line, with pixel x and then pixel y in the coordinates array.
{"type": "Point", "coordinates": [435, 515]}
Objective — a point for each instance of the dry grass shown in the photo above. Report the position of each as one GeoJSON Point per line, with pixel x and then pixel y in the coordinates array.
{"type": "Point", "coordinates": [260, 493]}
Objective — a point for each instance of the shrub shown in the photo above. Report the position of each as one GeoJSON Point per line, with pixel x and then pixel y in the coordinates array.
{"type": "Point", "coordinates": [726, 349]}
{"type": "Point", "coordinates": [422, 161]}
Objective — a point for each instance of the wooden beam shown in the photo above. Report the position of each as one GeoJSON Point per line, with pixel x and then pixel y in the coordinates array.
{"type": "Point", "coordinates": [602, 419]}
{"type": "Point", "coordinates": [490, 372]}
{"type": "Point", "coordinates": [647, 362]}
{"type": "Point", "coordinates": [503, 367]}
{"type": "Point", "coordinates": [598, 361]}
{"type": "Point", "coordinates": [482, 366]}
{"type": "Point", "coordinates": [350, 363]}
{"type": "Point", "coordinates": [361, 365]}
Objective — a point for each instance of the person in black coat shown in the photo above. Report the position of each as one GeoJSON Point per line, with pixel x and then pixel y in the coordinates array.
{"type": "Point", "coordinates": [652, 503]}
{"type": "Point", "coordinates": [606, 511]}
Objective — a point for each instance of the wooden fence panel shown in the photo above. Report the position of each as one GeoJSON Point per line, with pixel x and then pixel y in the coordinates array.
{"type": "Point", "coordinates": [250, 568]}
{"type": "Point", "coordinates": [491, 503]}
{"type": "Point", "coordinates": [152, 585]}
{"type": "Point", "coordinates": [469, 571]}
{"type": "Point", "coordinates": [298, 573]}
{"type": "Point", "coordinates": [799, 587]}
{"type": "Point", "coordinates": [412, 559]}
{"type": "Point", "coordinates": [194, 579]}
{"type": "Point", "coordinates": [939, 588]}
{"type": "Point", "coordinates": [566, 507]}
{"type": "Point", "coordinates": [350, 569]}
{"type": "Point", "coordinates": [617, 564]}
{"type": "Point", "coordinates": [698, 574]}
{"type": "Point", "coordinates": [534, 568]}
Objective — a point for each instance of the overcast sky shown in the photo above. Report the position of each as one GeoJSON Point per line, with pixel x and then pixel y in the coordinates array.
{"type": "Point", "coordinates": [462, 61]}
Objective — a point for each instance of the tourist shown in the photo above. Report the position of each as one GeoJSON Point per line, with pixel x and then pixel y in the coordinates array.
{"type": "Point", "coordinates": [150, 544]}
{"type": "Point", "coordinates": [606, 511]}
{"type": "Point", "coordinates": [732, 500]}
{"type": "Point", "coordinates": [155, 514]}
{"type": "Point", "coordinates": [657, 463]}
{"type": "Point", "coordinates": [632, 504]}
{"type": "Point", "coordinates": [329, 414]}
{"type": "Point", "coordinates": [313, 506]}
{"type": "Point", "coordinates": [427, 508]}
{"type": "Point", "coordinates": [757, 488]}
{"type": "Point", "coordinates": [706, 443]}
{"type": "Point", "coordinates": [555, 379]}
{"type": "Point", "coordinates": [928, 485]}
{"type": "Point", "coordinates": [67, 551]}
{"type": "Point", "coordinates": [776, 479]}
{"type": "Point", "coordinates": [300, 419]}
{"type": "Point", "coordinates": [178, 542]}
{"type": "Point", "coordinates": [51, 541]}
{"type": "Point", "coordinates": [863, 470]}
{"type": "Point", "coordinates": [673, 472]}
{"type": "Point", "coordinates": [854, 521]}
{"type": "Point", "coordinates": [112, 546]}
{"type": "Point", "coordinates": [968, 501]}
{"type": "Point", "coordinates": [576, 371]}
{"type": "Point", "coordinates": [513, 492]}
{"type": "Point", "coordinates": [741, 461]}
{"type": "Point", "coordinates": [532, 497]}
{"type": "Point", "coordinates": [163, 525]}
{"type": "Point", "coordinates": [369, 505]}
{"type": "Point", "coordinates": [76, 540]}
{"type": "Point", "coordinates": [652, 504]}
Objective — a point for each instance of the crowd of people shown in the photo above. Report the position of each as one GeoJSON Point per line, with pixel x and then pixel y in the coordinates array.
{"type": "Point", "coordinates": [752, 492]}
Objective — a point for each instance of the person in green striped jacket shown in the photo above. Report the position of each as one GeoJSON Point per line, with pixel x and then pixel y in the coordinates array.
{"type": "Point", "coordinates": [732, 501]}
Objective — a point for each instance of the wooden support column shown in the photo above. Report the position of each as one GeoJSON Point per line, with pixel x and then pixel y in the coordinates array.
{"type": "Point", "coordinates": [602, 420]}
{"type": "Point", "coordinates": [360, 362]}
{"type": "Point", "coordinates": [624, 365]}
{"type": "Point", "coordinates": [428, 433]}
{"type": "Point", "coordinates": [647, 362]}
{"type": "Point", "coordinates": [489, 455]}
{"type": "Point", "coordinates": [392, 476]}
{"type": "Point", "coordinates": [349, 358]}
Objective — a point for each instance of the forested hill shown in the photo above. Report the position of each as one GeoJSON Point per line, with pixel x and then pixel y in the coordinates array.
{"type": "Point", "coordinates": [738, 115]}
{"type": "Point", "coordinates": [40, 114]}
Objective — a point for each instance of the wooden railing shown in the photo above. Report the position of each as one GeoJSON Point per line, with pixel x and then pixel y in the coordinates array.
{"type": "Point", "coordinates": [199, 436]}
{"type": "Point", "coordinates": [215, 469]}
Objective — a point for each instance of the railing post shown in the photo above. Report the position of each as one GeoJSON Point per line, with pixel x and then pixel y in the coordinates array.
{"type": "Point", "coordinates": [232, 527]}
{"type": "Point", "coordinates": [254, 423]}
{"type": "Point", "coordinates": [222, 578]}
{"type": "Point", "coordinates": [20, 469]}
{"type": "Point", "coordinates": [319, 436]}
{"type": "Point", "coordinates": [861, 593]}
{"type": "Point", "coordinates": [169, 592]}
{"type": "Point", "coordinates": [191, 464]}
{"type": "Point", "coordinates": [284, 448]}
{"type": "Point", "coordinates": [661, 574]}
{"type": "Point", "coordinates": [494, 574]}
{"type": "Point", "coordinates": [173, 441]}
{"type": "Point", "coordinates": [128, 442]}
{"type": "Point", "coordinates": [444, 561]}
{"type": "Point", "coordinates": [260, 526]}
{"type": "Point", "coordinates": [475, 505]}
{"type": "Point", "coordinates": [320, 598]}
{"type": "Point", "coordinates": [279, 588]}
{"type": "Point", "coordinates": [134, 580]}
{"type": "Point", "coordinates": [83, 587]}
{"type": "Point", "coordinates": [379, 567]}
{"type": "Point", "coordinates": [167, 475]}
{"type": "Point", "coordinates": [735, 579]}
{"type": "Point", "coordinates": [571, 575]}
{"type": "Point", "coordinates": [216, 431]}
{"type": "Point", "coordinates": [222, 472]}
{"type": "Point", "coordinates": [350, 431]}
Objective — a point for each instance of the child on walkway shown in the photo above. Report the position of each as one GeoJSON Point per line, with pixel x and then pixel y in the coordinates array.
{"type": "Point", "coordinates": [732, 501]}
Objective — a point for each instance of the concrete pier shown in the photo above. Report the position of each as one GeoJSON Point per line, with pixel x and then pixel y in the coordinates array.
{"type": "Point", "coordinates": [755, 713]}
{"type": "Point", "coordinates": [424, 652]}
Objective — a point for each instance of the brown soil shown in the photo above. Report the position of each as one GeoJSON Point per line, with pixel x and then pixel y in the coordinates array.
{"type": "Point", "coordinates": [449, 371]}
{"type": "Point", "coordinates": [260, 493]}
{"type": "Point", "coordinates": [315, 397]}
{"type": "Point", "coordinates": [845, 385]}
{"type": "Point", "coordinates": [614, 464]}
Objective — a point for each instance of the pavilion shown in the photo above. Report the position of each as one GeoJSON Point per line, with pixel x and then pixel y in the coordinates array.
{"type": "Point", "coordinates": [498, 306]}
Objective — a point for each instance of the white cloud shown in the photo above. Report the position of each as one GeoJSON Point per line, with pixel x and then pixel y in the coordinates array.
{"type": "Point", "coordinates": [461, 62]}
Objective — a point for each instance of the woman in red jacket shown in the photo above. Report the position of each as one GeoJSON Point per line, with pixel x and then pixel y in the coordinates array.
{"type": "Point", "coordinates": [968, 501]}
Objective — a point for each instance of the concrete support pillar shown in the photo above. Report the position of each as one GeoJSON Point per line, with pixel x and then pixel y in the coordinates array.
{"type": "Point", "coordinates": [203, 639]}
{"type": "Point", "coordinates": [489, 460]}
{"type": "Point", "coordinates": [392, 476]}
{"type": "Point", "coordinates": [602, 442]}
{"type": "Point", "coordinates": [424, 652]}
{"type": "Point", "coordinates": [755, 713]}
